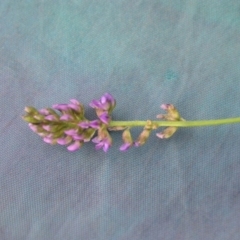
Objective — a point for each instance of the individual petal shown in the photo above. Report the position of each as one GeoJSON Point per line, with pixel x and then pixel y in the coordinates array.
{"type": "Point", "coordinates": [42, 134]}
{"type": "Point", "coordinates": [96, 140]}
{"type": "Point", "coordinates": [84, 124]}
{"type": "Point", "coordinates": [33, 127]}
{"type": "Point", "coordinates": [44, 111]}
{"type": "Point", "coordinates": [77, 137]}
{"type": "Point", "coordinates": [74, 107]}
{"type": "Point", "coordinates": [106, 146]}
{"type": "Point", "coordinates": [105, 118]}
{"type": "Point", "coordinates": [165, 106]}
{"type": "Point", "coordinates": [64, 140]}
{"type": "Point", "coordinates": [161, 116]}
{"type": "Point", "coordinates": [74, 101]}
{"type": "Point", "coordinates": [51, 118]}
{"type": "Point", "coordinates": [125, 146]}
{"type": "Point", "coordinates": [49, 140]}
{"type": "Point", "coordinates": [46, 127]}
{"type": "Point", "coordinates": [75, 146]}
{"type": "Point", "coordinates": [160, 135]}
{"type": "Point", "coordinates": [71, 132]}
{"type": "Point", "coordinates": [99, 145]}
{"type": "Point", "coordinates": [66, 117]}
{"type": "Point", "coordinates": [95, 104]}
{"type": "Point", "coordinates": [107, 97]}
{"type": "Point", "coordinates": [107, 102]}
{"type": "Point", "coordinates": [137, 144]}
{"type": "Point", "coordinates": [61, 107]}
{"type": "Point", "coordinates": [95, 124]}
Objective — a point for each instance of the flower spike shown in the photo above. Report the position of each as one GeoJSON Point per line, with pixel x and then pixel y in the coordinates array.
{"type": "Point", "coordinates": [66, 124]}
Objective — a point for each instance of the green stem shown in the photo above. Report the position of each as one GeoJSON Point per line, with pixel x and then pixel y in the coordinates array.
{"type": "Point", "coordinates": [200, 123]}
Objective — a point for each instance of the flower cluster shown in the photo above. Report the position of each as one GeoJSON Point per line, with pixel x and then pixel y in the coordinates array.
{"type": "Point", "coordinates": [172, 115]}
{"type": "Point", "coordinates": [65, 124]}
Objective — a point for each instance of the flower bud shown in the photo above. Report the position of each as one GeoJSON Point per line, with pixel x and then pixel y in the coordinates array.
{"type": "Point", "coordinates": [142, 137]}
{"type": "Point", "coordinates": [172, 113]}
{"type": "Point", "coordinates": [167, 132]}
{"type": "Point", "coordinates": [127, 139]}
{"type": "Point", "coordinates": [30, 119]}
{"type": "Point", "coordinates": [88, 134]}
{"type": "Point", "coordinates": [39, 117]}
{"type": "Point", "coordinates": [126, 136]}
{"type": "Point", "coordinates": [31, 110]}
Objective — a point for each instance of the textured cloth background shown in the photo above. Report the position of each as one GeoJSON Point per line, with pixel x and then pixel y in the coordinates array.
{"type": "Point", "coordinates": [145, 53]}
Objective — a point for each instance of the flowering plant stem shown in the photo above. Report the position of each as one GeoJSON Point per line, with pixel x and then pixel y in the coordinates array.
{"type": "Point", "coordinates": [66, 124]}
{"type": "Point", "coordinates": [199, 123]}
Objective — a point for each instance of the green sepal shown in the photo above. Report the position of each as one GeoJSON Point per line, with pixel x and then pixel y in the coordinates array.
{"type": "Point", "coordinates": [30, 119]}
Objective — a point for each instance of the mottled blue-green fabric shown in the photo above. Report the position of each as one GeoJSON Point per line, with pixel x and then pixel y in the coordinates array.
{"type": "Point", "coordinates": [145, 53]}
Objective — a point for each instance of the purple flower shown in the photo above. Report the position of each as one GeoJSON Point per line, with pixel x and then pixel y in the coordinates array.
{"type": "Point", "coordinates": [102, 143]}
{"type": "Point", "coordinates": [66, 117]}
{"type": "Point", "coordinates": [51, 118]}
{"type": "Point", "coordinates": [106, 102]}
{"type": "Point", "coordinates": [104, 107]}
{"type": "Point", "coordinates": [61, 107]}
{"type": "Point", "coordinates": [92, 124]}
